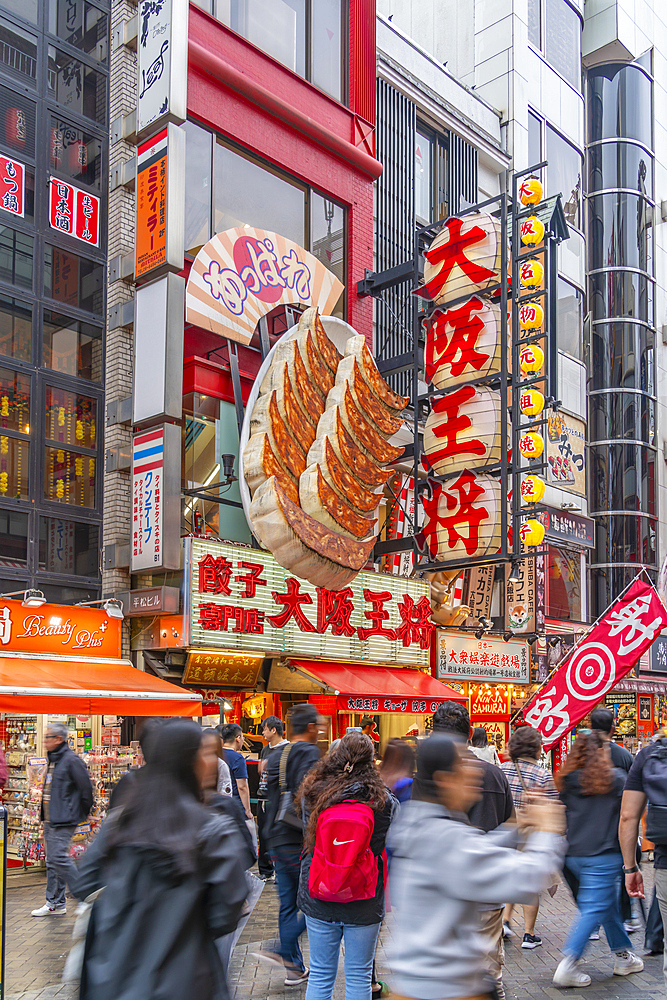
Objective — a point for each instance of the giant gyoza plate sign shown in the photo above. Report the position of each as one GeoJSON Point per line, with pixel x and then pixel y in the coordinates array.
{"type": "Point", "coordinates": [241, 598]}
{"type": "Point", "coordinates": [242, 274]}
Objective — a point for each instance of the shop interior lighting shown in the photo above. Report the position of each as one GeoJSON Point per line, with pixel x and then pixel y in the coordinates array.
{"type": "Point", "coordinates": [515, 573]}
{"type": "Point", "coordinates": [31, 598]}
{"type": "Point", "coordinates": [111, 605]}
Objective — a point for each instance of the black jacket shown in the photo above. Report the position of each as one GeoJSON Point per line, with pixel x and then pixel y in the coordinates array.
{"type": "Point", "coordinates": [152, 930]}
{"type": "Point", "coordinates": [361, 911]}
{"type": "Point", "coordinates": [302, 757]}
{"type": "Point", "coordinates": [592, 820]}
{"type": "Point", "coordinates": [71, 788]}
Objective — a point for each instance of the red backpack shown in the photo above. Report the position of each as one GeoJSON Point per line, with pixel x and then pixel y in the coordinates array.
{"type": "Point", "coordinates": [343, 867]}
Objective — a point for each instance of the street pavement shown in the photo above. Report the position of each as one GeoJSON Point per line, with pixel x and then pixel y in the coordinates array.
{"type": "Point", "coordinates": [36, 949]}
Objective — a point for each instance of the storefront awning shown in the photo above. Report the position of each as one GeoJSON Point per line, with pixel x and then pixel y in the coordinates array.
{"type": "Point", "coordinates": [380, 689]}
{"type": "Point", "coordinates": [88, 686]}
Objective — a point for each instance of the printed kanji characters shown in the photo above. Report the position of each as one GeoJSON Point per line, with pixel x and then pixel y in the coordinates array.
{"type": "Point", "coordinates": [452, 339]}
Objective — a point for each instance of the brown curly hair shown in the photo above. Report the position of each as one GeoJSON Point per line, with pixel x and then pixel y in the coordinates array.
{"type": "Point", "coordinates": [591, 758]}
{"type": "Point", "coordinates": [348, 771]}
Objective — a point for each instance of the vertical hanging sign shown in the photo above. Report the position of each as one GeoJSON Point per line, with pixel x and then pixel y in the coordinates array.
{"type": "Point", "coordinates": [160, 204]}
{"type": "Point", "coordinates": [162, 60]}
{"type": "Point", "coordinates": [156, 463]}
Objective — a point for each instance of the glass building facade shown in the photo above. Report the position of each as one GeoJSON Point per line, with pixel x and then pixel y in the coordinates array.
{"type": "Point", "coordinates": [54, 60]}
{"type": "Point", "coordinates": [622, 385]}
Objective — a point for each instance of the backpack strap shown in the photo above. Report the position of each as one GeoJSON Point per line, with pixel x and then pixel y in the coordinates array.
{"type": "Point", "coordinates": [282, 770]}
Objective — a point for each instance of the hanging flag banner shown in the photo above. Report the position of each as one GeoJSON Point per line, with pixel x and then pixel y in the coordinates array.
{"type": "Point", "coordinates": [605, 656]}
{"type": "Point", "coordinates": [242, 274]}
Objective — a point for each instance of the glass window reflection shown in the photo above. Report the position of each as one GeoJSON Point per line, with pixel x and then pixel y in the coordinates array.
{"type": "Point", "coordinates": [616, 414]}
{"type": "Point", "coordinates": [13, 538]}
{"type": "Point", "coordinates": [15, 329]}
{"type": "Point", "coordinates": [570, 319]}
{"type": "Point", "coordinates": [620, 165]}
{"type": "Point", "coordinates": [621, 231]}
{"type": "Point", "coordinates": [198, 170]}
{"type": "Point", "coordinates": [621, 293]}
{"type": "Point", "coordinates": [620, 104]}
{"type": "Point", "coordinates": [327, 234]}
{"type": "Point", "coordinates": [623, 355]}
{"type": "Point", "coordinates": [69, 547]}
{"type": "Point", "coordinates": [564, 174]}
{"type": "Point", "coordinates": [423, 178]}
{"type": "Point", "coordinates": [563, 40]}
{"type": "Point", "coordinates": [14, 401]}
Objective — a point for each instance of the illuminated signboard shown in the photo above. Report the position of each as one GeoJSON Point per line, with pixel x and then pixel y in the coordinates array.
{"type": "Point", "coordinates": [242, 599]}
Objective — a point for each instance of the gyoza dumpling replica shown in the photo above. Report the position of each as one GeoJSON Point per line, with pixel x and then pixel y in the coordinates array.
{"type": "Point", "coordinates": [315, 461]}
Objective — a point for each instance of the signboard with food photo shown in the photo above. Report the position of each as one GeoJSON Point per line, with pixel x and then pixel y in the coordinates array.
{"type": "Point", "coordinates": [623, 704]}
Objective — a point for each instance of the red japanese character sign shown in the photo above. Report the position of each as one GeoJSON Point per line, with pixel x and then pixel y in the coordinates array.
{"type": "Point", "coordinates": [605, 656]}
{"type": "Point", "coordinates": [463, 343]}
{"type": "Point", "coordinates": [74, 212]}
{"type": "Point", "coordinates": [464, 258]}
{"type": "Point", "coordinates": [462, 518]}
{"type": "Point", "coordinates": [463, 429]}
{"type": "Point", "coordinates": [12, 186]}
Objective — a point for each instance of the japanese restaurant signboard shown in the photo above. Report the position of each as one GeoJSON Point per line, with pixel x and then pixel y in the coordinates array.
{"type": "Point", "coordinates": [162, 64]}
{"type": "Point", "coordinates": [74, 212]}
{"type": "Point", "coordinates": [468, 658]}
{"type": "Point", "coordinates": [241, 598]}
{"type": "Point", "coordinates": [242, 274]}
{"type": "Point", "coordinates": [566, 453]}
{"type": "Point", "coordinates": [12, 186]}
{"type": "Point", "coordinates": [155, 541]}
{"type": "Point", "coordinates": [160, 203]}
{"type": "Point", "coordinates": [57, 629]}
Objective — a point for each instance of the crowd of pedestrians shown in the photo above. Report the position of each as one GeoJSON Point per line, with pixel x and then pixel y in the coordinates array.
{"type": "Point", "coordinates": [452, 837]}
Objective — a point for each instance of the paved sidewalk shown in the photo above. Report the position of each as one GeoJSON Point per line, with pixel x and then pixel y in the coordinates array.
{"type": "Point", "coordinates": [37, 948]}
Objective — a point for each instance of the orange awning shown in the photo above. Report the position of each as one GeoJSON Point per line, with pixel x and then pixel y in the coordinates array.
{"type": "Point", "coordinates": [88, 686]}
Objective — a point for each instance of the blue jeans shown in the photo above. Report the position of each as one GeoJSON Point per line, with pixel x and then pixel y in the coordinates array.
{"type": "Point", "coordinates": [324, 939]}
{"type": "Point", "coordinates": [598, 901]}
{"type": "Point", "coordinates": [60, 869]}
{"type": "Point", "coordinates": [291, 922]}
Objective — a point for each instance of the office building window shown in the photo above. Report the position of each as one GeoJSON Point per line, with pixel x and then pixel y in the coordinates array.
{"type": "Point", "coordinates": [68, 547]}
{"type": "Point", "coordinates": [73, 280]}
{"type": "Point", "coordinates": [423, 178]}
{"type": "Point", "coordinates": [570, 319]}
{"type": "Point", "coordinates": [76, 85]}
{"type": "Point", "coordinates": [307, 36]}
{"type": "Point", "coordinates": [72, 347]}
{"type": "Point", "coordinates": [16, 257]}
{"type": "Point", "coordinates": [14, 401]}
{"type": "Point", "coordinates": [15, 329]}
{"type": "Point", "coordinates": [18, 52]}
{"type": "Point", "coordinates": [75, 153]}
{"type": "Point", "coordinates": [80, 24]}
{"type": "Point", "coordinates": [554, 27]}
{"type": "Point", "coordinates": [13, 538]}
{"type": "Point", "coordinates": [564, 174]}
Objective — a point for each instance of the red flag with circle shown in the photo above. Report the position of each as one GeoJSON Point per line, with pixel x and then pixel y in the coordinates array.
{"type": "Point", "coordinates": [604, 657]}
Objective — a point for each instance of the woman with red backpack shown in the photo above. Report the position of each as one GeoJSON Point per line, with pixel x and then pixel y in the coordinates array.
{"type": "Point", "coordinates": [347, 811]}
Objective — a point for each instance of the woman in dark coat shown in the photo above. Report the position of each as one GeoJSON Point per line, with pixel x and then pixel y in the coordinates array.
{"type": "Point", "coordinates": [174, 882]}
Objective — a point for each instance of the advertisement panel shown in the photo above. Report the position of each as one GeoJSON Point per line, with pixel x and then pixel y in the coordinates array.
{"type": "Point", "coordinates": [12, 186]}
{"type": "Point", "coordinates": [74, 212]}
{"type": "Point", "coordinates": [241, 598]}
{"type": "Point", "coordinates": [467, 658]}
{"type": "Point", "coordinates": [160, 203]}
{"type": "Point", "coordinates": [156, 499]}
{"type": "Point", "coordinates": [54, 628]}
{"type": "Point", "coordinates": [162, 64]}
{"type": "Point", "coordinates": [566, 453]}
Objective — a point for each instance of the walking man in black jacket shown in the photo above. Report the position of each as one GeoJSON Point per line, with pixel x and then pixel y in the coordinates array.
{"type": "Point", "coordinates": [67, 797]}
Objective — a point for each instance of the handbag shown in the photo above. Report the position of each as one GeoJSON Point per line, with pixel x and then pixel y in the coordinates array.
{"type": "Point", "coordinates": [286, 812]}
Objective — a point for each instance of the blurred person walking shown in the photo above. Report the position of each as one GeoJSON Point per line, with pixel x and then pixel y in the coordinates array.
{"type": "Point", "coordinates": [232, 742]}
{"type": "Point", "coordinates": [173, 872]}
{"type": "Point", "coordinates": [591, 790]}
{"type": "Point", "coordinates": [272, 731]}
{"type": "Point", "coordinates": [284, 831]}
{"type": "Point", "coordinates": [480, 746]}
{"type": "Point", "coordinates": [492, 808]}
{"type": "Point", "coordinates": [442, 867]}
{"type": "Point", "coordinates": [67, 798]}
{"type": "Point", "coordinates": [347, 811]}
{"type": "Point", "coordinates": [397, 768]}
{"type": "Point", "coordinates": [525, 776]}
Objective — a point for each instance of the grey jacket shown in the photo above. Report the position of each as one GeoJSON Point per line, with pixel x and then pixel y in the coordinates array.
{"type": "Point", "coordinates": [442, 868]}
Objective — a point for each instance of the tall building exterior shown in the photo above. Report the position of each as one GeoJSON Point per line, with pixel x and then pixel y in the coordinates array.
{"type": "Point", "coordinates": [54, 120]}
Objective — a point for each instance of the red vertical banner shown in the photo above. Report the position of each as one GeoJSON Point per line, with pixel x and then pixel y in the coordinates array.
{"type": "Point", "coordinates": [61, 206]}
{"type": "Point", "coordinates": [87, 218]}
{"type": "Point", "coordinates": [605, 656]}
{"type": "Point", "coordinates": [12, 186]}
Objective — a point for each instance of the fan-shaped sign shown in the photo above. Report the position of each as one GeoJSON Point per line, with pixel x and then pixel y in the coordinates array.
{"type": "Point", "coordinates": [243, 274]}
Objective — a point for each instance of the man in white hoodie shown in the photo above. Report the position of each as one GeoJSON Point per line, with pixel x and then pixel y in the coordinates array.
{"type": "Point", "coordinates": [444, 867]}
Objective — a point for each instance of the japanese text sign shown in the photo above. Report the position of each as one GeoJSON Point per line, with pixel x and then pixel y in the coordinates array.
{"type": "Point", "coordinates": [606, 655]}
{"type": "Point", "coordinates": [58, 629]}
{"type": "Point", "coordinates": [12, 186]}
{"type": "Point", "coordinates": [227, 670]}
{"type": "Point", "coordinates": [162, 64]}
{"type": "Point", "coordinates": [242, 274]}
{"type": "Point", "coordinates": [379, 703]}
{"type": "Point", "coordinates": [160, 203]}
{"type": "Point", "coordinates": [74, 212]}
{"type": "Point", "coordinates": [462, 517]}
{"type": "Point", "coordinates": [566, 453]}
{"type": "Point", "coordinates": [243, 599]}
{"type": "Point", "coordinates": [574, 529]}
{"type": "Point", "coordinates": [489, 701]}
{"type": "Point", "coordinates": [155, 541]}
{"type": "Point", "coordinates": [468, 658]}
{"type": "Point", "coordinates": [659, 654]}
{"type": "Point", "coordinates": [520, 596]}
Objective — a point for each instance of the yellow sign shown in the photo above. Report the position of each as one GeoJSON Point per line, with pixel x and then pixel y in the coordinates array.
{"type": "Point", "coordinates": [222, 668]}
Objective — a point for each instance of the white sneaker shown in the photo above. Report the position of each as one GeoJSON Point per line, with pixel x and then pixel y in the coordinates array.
{"type": "Point", "coordinates": [595, 936]}
{"type": "Point", "coordinates": [49, 911]}
{"type": "Point", "coordinates": [626, 962]}
{"type": "Point", "coordinates": [631, 925]}
{"type": "Point", "coordinates": [507, 930]}
{"type": "Point", "coordinates": [567, 974]}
